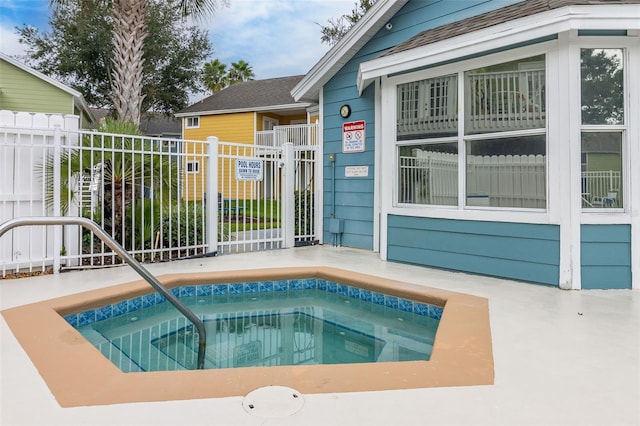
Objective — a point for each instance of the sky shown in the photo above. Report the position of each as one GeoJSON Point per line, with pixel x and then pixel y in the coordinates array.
{"type": "Point", "coordinates": [276, 37]}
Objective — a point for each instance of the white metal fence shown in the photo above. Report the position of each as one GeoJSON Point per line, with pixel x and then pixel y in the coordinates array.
{"type": "Point", "coordinates": [150, 194]}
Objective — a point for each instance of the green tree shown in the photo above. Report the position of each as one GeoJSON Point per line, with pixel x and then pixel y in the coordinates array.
{"type": "Point", "coordinates": [240, 71]}
{"type": "Point", "coordinates": [129, 32]}
{"type": "Point", "coordinates": [123, 170]}
{"type": "Point", "coordinates": [214, 75]}
{"type": "Point", "coordinates": [602, 86]}
{"type": "Point", "coordinates": [78, 50]}
{"type": "Point", "coordinates": [336, 28]}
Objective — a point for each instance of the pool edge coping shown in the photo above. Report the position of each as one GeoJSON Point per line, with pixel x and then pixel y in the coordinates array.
{"type": "Point", "coordinates": [77, 374]}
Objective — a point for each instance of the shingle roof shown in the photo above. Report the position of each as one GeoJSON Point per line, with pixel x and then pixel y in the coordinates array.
{"type": "Point", "coordinates": [486, 20]}
{"type": "Point", "coordinates": [249, 95]}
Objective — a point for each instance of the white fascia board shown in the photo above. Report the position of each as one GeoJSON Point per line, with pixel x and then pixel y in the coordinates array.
{"type": "Point", "coordinates": [272, 108]}
{"type": "Point", "coordinates": [339, 55]}
{"type": "Point", "coordinates": [498, 36]}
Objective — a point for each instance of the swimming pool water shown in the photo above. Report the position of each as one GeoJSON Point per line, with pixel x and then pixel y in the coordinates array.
{"type": "Point", "coordinates": [291, 326]}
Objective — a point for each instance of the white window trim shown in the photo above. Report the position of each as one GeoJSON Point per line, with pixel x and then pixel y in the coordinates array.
{"type": "Point", "coordinates": [495, 214]}
{"type": "Point", "coordinates": [195, 118]}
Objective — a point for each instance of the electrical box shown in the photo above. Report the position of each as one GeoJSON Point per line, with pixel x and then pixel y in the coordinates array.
{"type": "Point", "coordinates": [336, 226]}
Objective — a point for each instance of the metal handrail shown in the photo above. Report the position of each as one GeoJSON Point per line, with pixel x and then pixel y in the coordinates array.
{"type": "Point", "coordinates": [137, 266]}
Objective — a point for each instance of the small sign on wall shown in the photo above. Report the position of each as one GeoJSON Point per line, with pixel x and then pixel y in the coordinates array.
{"type": "Point", "coordinates": [356, 171]}
{"type": "Point", "coordinates": [353, 136]}
{"type": "Point", "coordinates": [249, 169]}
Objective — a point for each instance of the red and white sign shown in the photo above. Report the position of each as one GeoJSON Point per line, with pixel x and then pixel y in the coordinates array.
{"type": "Point", "coordinates": [353, 136]}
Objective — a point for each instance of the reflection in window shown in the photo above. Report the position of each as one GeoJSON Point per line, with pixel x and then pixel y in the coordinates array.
{"type": "Point", "coordinates": [507, 96]}
{"type": "Point", "coordinates": [507, 172]}
{"type": "Point", "coordinates": [429, 174]}
{"type": "Point", "coordinates": [602, 76]}
{"type": "Point", "coordinates": [428, 108]}
{"type": "Point", "coordinates": [601, 169]}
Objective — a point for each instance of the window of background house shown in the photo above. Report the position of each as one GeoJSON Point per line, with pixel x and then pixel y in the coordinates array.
{"type": "Point", "coordinates": [193, 166]}
{"type": "Point", "coordinates": [193, 122]}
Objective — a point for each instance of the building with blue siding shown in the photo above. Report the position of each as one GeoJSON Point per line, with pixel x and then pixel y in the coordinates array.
{"type": "Point", "coordinates": [496, 137]}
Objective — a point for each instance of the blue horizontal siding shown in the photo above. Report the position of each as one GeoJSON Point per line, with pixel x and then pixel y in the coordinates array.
{"type": "Point", "coordinates": [351, 205]}
{"type": "Point", "coordinates": [605, 256]}
{"type": "Point", "coordinates": [525, 252]}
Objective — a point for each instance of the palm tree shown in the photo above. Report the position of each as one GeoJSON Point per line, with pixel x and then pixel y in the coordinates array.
{"type": "Point", "coordinates": [123, 175]}
{"type": "Point", "coordinates": [129, 33]}
{"type": "Point", "coordinates": [215, 76]}
{"type": "Point", "coordinates": [240, 71]}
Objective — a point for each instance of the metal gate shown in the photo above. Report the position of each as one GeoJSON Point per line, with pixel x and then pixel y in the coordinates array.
{"type": "Point", "coordinates": [267, 192]}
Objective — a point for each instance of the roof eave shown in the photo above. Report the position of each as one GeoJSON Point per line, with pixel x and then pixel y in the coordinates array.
{"type": "Point", "coordinates": [308, 88]}
{"type": "Point", "coordinates": [511, 32]}
{"type": "Point", "coordinates": [268, 108]}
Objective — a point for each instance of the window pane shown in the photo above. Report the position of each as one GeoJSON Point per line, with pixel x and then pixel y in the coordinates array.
{"type": "Point", "coordinates": [601, 169]}
{"type": "Point", "coordinates": [504, 97]}
{"type": "Point", "coordinates": [428, 108]}
{"type": "Point", "coordinates": [428, 174]}
{"type": "Point", "coordinates": [508, 172]}
{"type": "Point", "coordinates": [602, 76]}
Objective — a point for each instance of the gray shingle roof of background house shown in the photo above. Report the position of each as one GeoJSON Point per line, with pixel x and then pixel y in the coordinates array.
{"type": "Point", "coordinates": [486, 20]}
{"type": "Point", "coordinates": [249, 95]}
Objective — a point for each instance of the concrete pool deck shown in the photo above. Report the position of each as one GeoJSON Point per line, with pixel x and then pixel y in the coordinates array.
{"type": "Point", "coordinates": [565, 358]}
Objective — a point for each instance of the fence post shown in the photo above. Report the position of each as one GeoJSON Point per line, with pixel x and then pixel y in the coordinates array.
{"type": "Point", "coordinates": [57, 211]}
{"type": "Point", "coordinates": [211, 200]}
{"type": "Point", "coordinates": [288, 198]}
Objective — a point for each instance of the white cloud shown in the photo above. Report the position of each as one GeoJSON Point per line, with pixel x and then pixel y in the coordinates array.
{"type": "Point", "coordinates": [276, 37]}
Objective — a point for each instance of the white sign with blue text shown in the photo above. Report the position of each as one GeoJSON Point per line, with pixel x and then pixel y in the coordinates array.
{"type": "Point", "coordinates": [249, 169]}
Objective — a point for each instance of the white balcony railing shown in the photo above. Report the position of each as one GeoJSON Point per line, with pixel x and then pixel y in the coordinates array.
{"type": "Point", "coordinates": [494, 101]}
{"type": "Point", "coordinates": [298, 134]}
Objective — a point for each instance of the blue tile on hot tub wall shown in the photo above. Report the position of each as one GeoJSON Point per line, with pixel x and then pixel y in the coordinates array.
{"type": "Point", "coordinates": [159, 298]}
{"type": "Point", "coordinates": [420, 309]}
{"type": "Point", "coordinates": [353, 292]}
{"type": "Point", "coordinates": [435, 312]}
{"type": "Point", "coordinates": [119, 308]}
{"type": "Point", "coordinates": [134, 304]}
{"type": "Point", "coordinates": [342, 289]}
{"type": "Point", "coordinates": [365, 295]}
{"type": "Point", "coordinates": [251, 287]}
{"type": "Point", "coordinates": [377, 298]}
{"type": "Point", "coordinates": [148, 300]}
{"type": "Point", "coordinates": [296, 285]}
{"type": "Point", "coordinates": [332, 287]}
{"type": "Point", "coordinates": [282, 285]}
{"type": "Point", "coordinates": [310, 284]}
{"type": "Point", "coordinates": [322, 284]}
{"type": "Point", "coordinates": [405, 305]}
{"type": "Point", "coordinates": [236, 288]}
{"type": "Point", "coordinates": [219, 289]}
{"type": "Point", "coordinates": [86, 318]}
{"type": "Point", "coordinates": [72, 319]}
{"type": "Point", "coordinates": [103, 313]}
{"type": "Point", "coordinates": [391, 302]}
{"type": "Point", "coordinates": [204, 290]}
{"type": "Point", "coordinates": [187, 291]}
{"type": "Point", "coordinates": [176, 291]}
{"type": "Point", "coordinates": [266, 287]}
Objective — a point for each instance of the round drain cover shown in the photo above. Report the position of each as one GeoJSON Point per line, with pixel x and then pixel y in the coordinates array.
{"type": "Point", "coordinates": [273, 402]}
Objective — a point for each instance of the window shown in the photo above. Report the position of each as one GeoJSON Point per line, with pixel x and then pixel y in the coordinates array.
{"type": "Point", "coordinates": [193, 122]}
{"type": "Point", "coordinates": [503, 137]}
{"type": "Point", "coordinates": [603, 127]}
{"type": "Point", "coordinates": [193, 166]}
